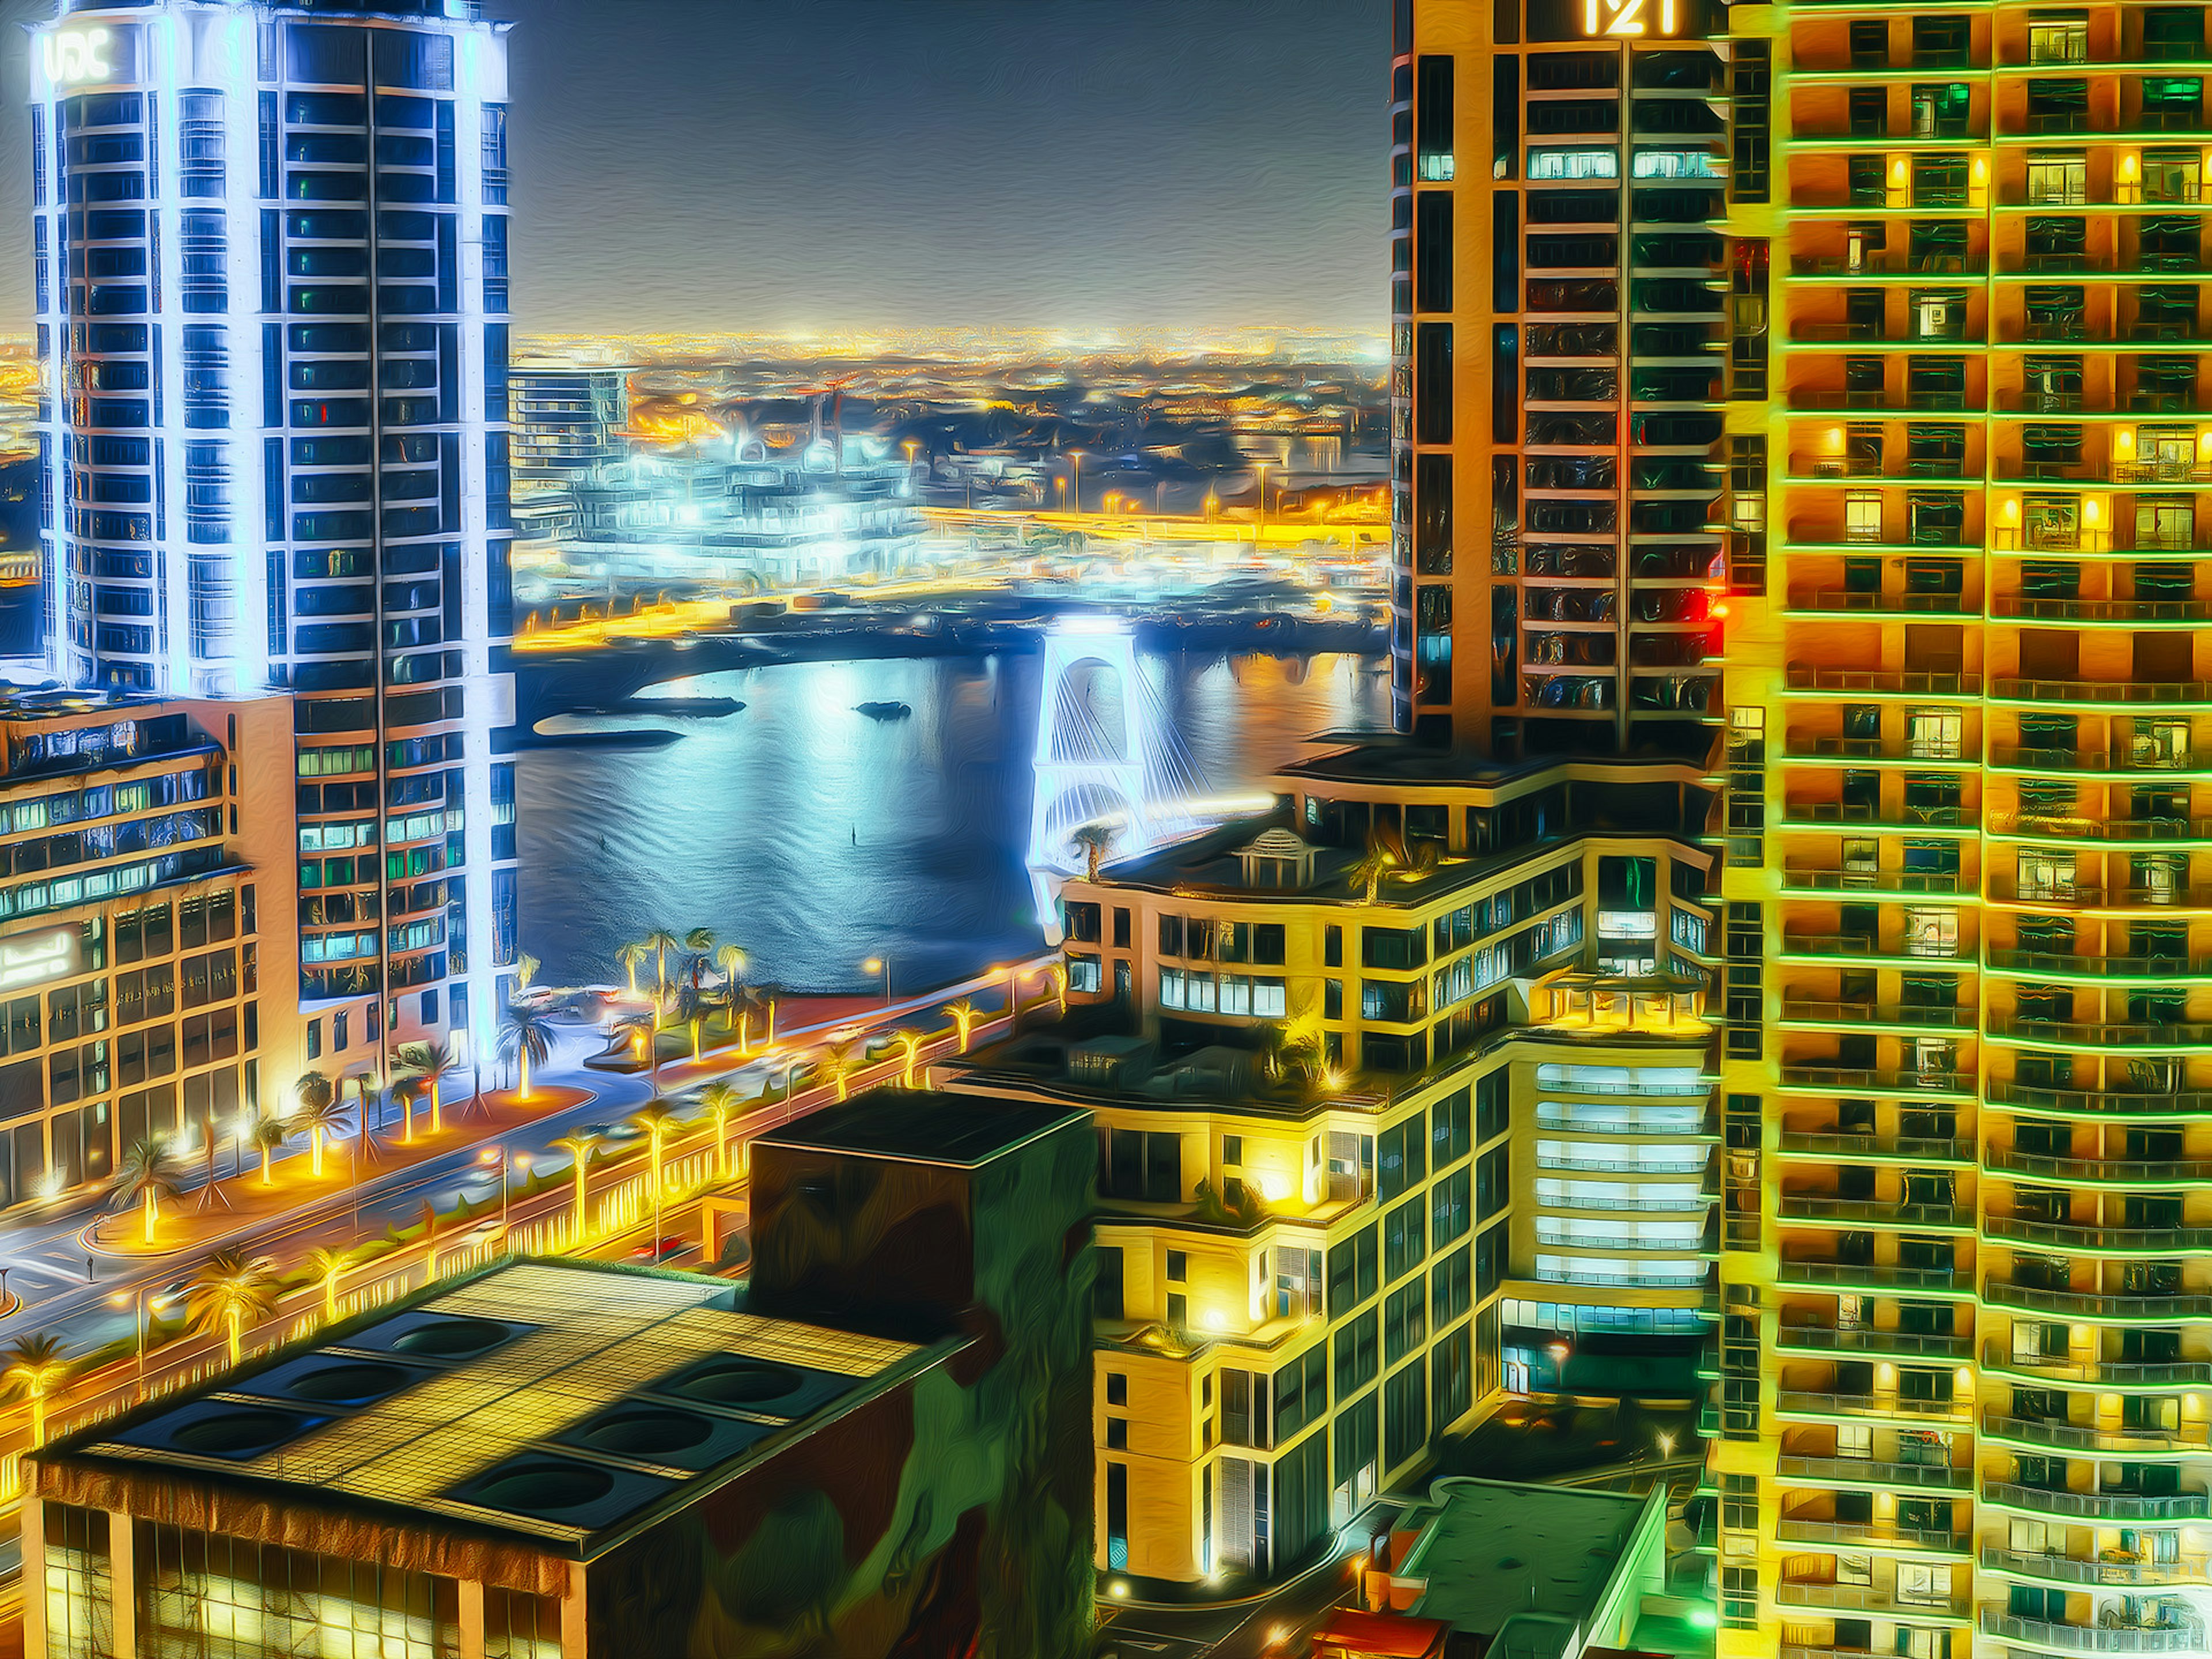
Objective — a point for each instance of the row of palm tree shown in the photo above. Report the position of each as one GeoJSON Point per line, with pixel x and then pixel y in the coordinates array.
{"type": "Point", "coordinates": [227, 1292]}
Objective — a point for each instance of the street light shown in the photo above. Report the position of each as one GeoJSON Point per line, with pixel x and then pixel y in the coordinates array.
{"type": "Point", "coordinates": [1263, 527]}
{"type": "Point", "coordinates": [880, 966]}
{"type": "Point", "coordinates": [1075, 477]}
{"type": "Point", "coordinates": [140, 1309]}
{"type": "Point", "coordinates": [506, 1161]}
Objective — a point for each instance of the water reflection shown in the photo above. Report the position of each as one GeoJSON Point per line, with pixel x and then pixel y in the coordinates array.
{"type": "Point", "coordinates": [815, 836]}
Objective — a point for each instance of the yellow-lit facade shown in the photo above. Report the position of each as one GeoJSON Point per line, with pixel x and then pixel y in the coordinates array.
{"type": "Point", "coordinates": [1966, 1361]}
{"type": "Point", "coordinates": [1371, 1160]}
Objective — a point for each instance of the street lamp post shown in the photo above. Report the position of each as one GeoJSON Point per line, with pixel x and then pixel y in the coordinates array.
{"type": "Point", "coordinates": [880, 966]}
{"type": "Point", "coordinates": [140, 1310]}
{"type": "Point", "coordinates": [1261, 531]}
{"type": "Point", "coordinates": [1075, 479]}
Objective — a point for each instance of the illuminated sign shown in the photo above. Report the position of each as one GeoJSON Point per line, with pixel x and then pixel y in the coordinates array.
{"type": "Point", "coordinates": [1628, 16]}
{"type": "Point", "coordinates": [37, 958]}
{"type": "Point", "coordinates": [76, 55]}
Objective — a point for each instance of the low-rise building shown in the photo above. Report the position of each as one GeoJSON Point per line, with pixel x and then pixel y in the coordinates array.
{"type": "Point", "coordinates": [149, 950]}
{"type": "Point", "coordinates": [877, 1444]}
{"type": "Point", "coordinates": [1403, 1105]}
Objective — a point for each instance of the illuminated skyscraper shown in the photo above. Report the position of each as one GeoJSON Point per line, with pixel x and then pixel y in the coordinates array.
{"type": "Point", "coordinates": [270, 245]}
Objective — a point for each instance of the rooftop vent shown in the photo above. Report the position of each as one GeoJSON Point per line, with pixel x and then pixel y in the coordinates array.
{"type": "Point", "coordinates": [446, 1338]}
{"type": "Point", "coordinates": [646, 1432]}
{"type": "Point", "coordinates": [566, 1491]}
{"type": "Point", "coordinates": [766, 1388]}
{"type": "Point", "coordinates": [223, 1429]}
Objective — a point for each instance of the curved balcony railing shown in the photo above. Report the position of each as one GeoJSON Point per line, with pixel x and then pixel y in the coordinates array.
{"type": "Point", "coordinates": [2110, 1568]}
{"type": "Point", "coordinates": [1890, 1533]}
{"type": "Point", "coordinates": [2063, 826]}
{"type": "Point", "coordinates": [2039, 608]}
{"type": "Point", "coordinates": [1802, 678]}
{"type": "Point", "coordinates": [2114, 1103]}
{"type": "Point", "coordinates": [2098, 1240]}
{"type": "Point", "coordinates": [2173, 692]}
{"type": "Point", "coordinates": [2108, 1373]}
{"type": "Point", "coordinates": [2179, 1034]}
{"type": "Point", "coordinates": [1860, 945]}
{"type": "Point", "coordinates": [2095, 1505]}
{"type": "Point", "coordinates": [2186, 1638]}
{"type": "Point", "coordinates": [2097, 1171]}
{"type": "Point", "coordinates": [2005, 959]}
{"type": "Point", "coordinates": [2082, 1437]}
{"type": "Point", "coordinates": [1846, 600]}
{"type": "Point", "coordinates": [2097, 1304]}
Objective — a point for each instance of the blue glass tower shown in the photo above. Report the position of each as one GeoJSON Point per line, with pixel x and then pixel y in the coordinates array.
{"type": "Point", "coordinates": [272, 292]}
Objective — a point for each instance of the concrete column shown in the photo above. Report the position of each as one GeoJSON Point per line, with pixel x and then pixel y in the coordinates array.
{"type": "Point", "coordinates": [123, 1581]}
{"type": "Point", "coordinates": [574, 1643]}
{"type": "Point", "coordinates": [32, 1518]}
{"type": "Point", "coordinates": [471, 1619]}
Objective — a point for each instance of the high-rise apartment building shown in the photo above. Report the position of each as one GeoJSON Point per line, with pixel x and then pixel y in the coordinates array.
{"type": "Point", "coordinates": [271, 246]}
{"type": "Point", "coordinates": [1557, 308]}
{"type": "Point", "coordinates": [568, 422]}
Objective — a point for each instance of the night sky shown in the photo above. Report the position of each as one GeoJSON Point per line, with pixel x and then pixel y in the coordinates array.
{"type": "Point", "coordinates": [830, 164]}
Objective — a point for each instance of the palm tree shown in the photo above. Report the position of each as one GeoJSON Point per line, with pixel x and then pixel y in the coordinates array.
{"type": "Point", "coordinates": [329, 1265]}
{"type": "Point", "coordinates": [662, 943]}
{"type": "Point", "coordinates": [658, 1119]}
{"type": "Point", "coordinates": [318, 1114]}
{"type": "Point", "coordinates": [269, 1134]}
{"type": "Point", "coordinates": [838, 1065]}
{"type": "Point", "coordinates": [525, 1037]}
{"type": "Point", "coordinates": [35, 1364]}
{"type": "Point", "coordinates": [227, 1291]}
{"type": "Point", "coordinates": [629, 956]}
{"type": "Point", "coordinates": [426, 1063]}
{"type": "Point", "coordinates": [963, 1014]}
{"type": "Point", "coordinates": [1377, 863]}
{"type": "Point", "coordinates": [911, 1042]}
{"type": "Point", "coordinates": [1094, 839]}
{"type": "Point", "coordinates": [700, 941]}
{"type": "Point", "coordinates": [721, 1099]}
{"type": "Point", "coordinates": [580, 1149]}
{"type": "Point", "coordinates": [147, 1174]}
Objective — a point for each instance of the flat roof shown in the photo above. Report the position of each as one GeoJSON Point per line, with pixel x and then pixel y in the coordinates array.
{"type": "Point", "coordinates": [952, 1126]}
{"type": "Point", "coordinates": [1497, 1550]}
{"type": "Point", "coordinates": [557, 1403]}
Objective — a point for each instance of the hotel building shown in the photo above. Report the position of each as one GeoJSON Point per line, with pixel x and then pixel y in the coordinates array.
{"type": "Point", "coordinates": [272, 287]}
{"type": "Point", "coordinates": [568, 422]}
{"type": "Point", "coordinates": [146, 942]}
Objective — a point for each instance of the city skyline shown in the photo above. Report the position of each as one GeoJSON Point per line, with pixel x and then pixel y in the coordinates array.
{"type": "Point", "coordinates": [973, 187]}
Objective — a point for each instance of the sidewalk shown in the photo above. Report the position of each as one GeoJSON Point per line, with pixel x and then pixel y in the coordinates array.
{"type": "Point", "coordinates": [204, 1216]}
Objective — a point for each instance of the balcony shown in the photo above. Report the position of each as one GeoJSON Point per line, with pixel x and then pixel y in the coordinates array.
{"type": "Point", "coordinates": [2098, 1171]}
{"type": "Point", "coordinates": [1583, 1201]}
{"type": "Point", "coordinates": [2095, 1240]}
{"type": "Point", "coordinates": [1865, 1598]}
{"type": "Point", "coordinates": [1870, 1472]}
{"type": "Point", "coordinates": [1851, 601]}
{"type": "Point", "coordinates": [1860, 947]}
{"type": "Point", "coordinates": [2096, 1305]}
{"type": "Point", "coordinates": [2095, 1638]}
{"type": "Point", "coordinates": [1622, 1166]}
{"type": "Point", "coordinates": [1877, 1213]}
{"type": "Point", "coordinates": [2111, 1103]}
{"type": "Point", "coordinates": [1812, 814]}
{"type": "Point", "coordinates": [1835, 1146]}
{"type": "Point", "coordinates": [2058, 964]}
{"type": "Point", "coordinates": [2099, 1373]}
{"type": "Point", "coordinates": [1890, 264]}
{"type": "Point", "coordinates": [1876, 1080]}
{"type": "Point", "coordinates": [2079, 1034]}
{"type": "Point", "coordinates": [2110, 1569]}
{"type": "Point", "coordinates": [2095, 1505]}
{"type": "Point", "coordinates": [1669, 1129]}
{"type": "Point", "coordinates": [1827, 1273]}
{"type": "Point", "coordinates": [1804, 678]}
{"type": "Point", "coordinates": [1857, 1341]}
{"type": "Point", "coordinates": [2124, 831]}
{"type": "Point", "coordinates": [2047, 1435]}
{"type": "Point", "coordinates": [2169, 694]}
{"type": "Point", "coordinates": [1886, 1534]}
{"type": "Point", "coordinates": [2009, 757]}
{"type": "Point", "coordinates": [1829, 879]}
{"type": "Point", "coordinates": [1904, 1015]}
{"type": "Point", "coordinates": [1808, 746]}
{"type": "Point", "coordinates": [2037, 608]}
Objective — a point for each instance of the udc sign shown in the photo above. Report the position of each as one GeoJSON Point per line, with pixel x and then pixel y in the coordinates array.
{"type": "Point", "coordinates": [73, 56]}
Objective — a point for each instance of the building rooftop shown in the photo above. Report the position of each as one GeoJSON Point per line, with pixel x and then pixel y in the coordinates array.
{"type": "Point", "coordinates": [562, 1404]}
{"type": "Point", "coordinates": [924, 1126]}
{"type": "Point", "coordinates": [1529, 1566]}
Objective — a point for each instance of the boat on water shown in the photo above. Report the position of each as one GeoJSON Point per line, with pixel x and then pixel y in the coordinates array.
{"type": "Point", "coordinates": [883, 711]}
